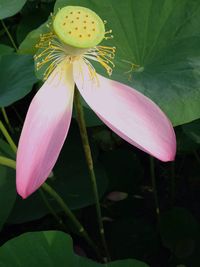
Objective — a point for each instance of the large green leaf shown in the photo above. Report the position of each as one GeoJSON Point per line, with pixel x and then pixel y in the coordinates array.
{"type": "Point", "coordinates": [49, 249]}
{"type": "Point", "coordinates": [17, 78]}
{"type": "Point", "coordinates": [5, 50]}
{"type": "Point", "coordinates": [161, 37]}
{"type": "Point", "coordinates": [10, 8]}
{"type": "Point", "coordinates": [32, 38]}
{"type": "Point", "coordinates": [32, 16]}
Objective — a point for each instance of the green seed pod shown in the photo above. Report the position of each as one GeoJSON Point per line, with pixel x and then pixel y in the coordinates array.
{"type": "Point", "coordinates": [78, 27]}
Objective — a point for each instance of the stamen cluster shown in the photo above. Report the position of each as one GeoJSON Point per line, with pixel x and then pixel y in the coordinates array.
{"type": "Point", "coordinates": [52, 51]}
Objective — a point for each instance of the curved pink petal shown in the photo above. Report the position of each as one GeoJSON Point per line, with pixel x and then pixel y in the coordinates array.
{"type": "Point", "coordinates": [45, 129]}
{"type": "Point", "coordinates": [133, 116]}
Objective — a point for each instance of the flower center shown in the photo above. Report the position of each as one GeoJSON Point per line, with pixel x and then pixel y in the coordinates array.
{"type": "Point", "coordinates": [74, 33]}
{"type": "Point", "coordinates": [79, 27]}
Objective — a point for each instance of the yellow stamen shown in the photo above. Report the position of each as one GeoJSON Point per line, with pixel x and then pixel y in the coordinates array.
{"type": "Point", "coordinates": [52, 50]}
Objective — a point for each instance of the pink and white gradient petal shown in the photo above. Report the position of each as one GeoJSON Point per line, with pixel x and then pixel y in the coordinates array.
{"type": "Point", "coordinates": [45, 129]}
{"type": "Point", "coordinates": [130, 114]}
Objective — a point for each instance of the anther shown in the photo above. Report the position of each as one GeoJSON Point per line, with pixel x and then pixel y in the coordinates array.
{"type": "Point", "coordinates": [84, 21]}
{"type": "Point", "coordinates": [72, 21]}
{"type": "Point", "coordinates": [77, 18]}
{"type": "Point", "coordinates": [89, 35]}
{"type": "Point", "coordinates": [93, 30]}
{"type": "Point", "coordinates": [109, 37]}
{"type": "Point", "coordinates": [64, 23]}
{"type": "Point", "coordinates": [80, 35]}
{"type": "Point", "coordinates": [92, 22]}
{"type": "Point", "coordinates": [71, 12]}
{"type": "Point", "coordinates": [85, 27]}
{"type": "Point", "coordinates": [69, 32]}
{"type": "Point", "coordinates": [76, 28]}
{"type": "Point", "coordinates": [110, 31]}
{"type": "Point", "coordinates": [66, 17]}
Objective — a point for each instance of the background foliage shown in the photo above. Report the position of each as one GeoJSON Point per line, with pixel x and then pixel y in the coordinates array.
{"type": "Point", "coordinates": [153, 224]}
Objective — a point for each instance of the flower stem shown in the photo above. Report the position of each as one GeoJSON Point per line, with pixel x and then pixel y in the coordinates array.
{"type": "Point", "coordinates": [8, 137]}
{"type": "Point", "coordinates": [7, 162]}
{"type": "Point", "coordinates": [6, 119]}
{"type": "Point", "coordinates": [9, 35]}
{"type": "Point", "coordinates": [153, 181]}
{"type": "Point", "coordinates": [71, 216]}
{"type": "Point", "coordinates": [49, 207]}
{"type": "Point", "coordinates": [89, 160]}
{"type": "Point", "coordinates": [12, 164]}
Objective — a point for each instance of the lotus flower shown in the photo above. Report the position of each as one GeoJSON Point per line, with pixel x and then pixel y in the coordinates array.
{"type": "Point", "coordinates": [67, 50]}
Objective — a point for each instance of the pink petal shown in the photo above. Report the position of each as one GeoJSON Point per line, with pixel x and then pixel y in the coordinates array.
{"type": "Point", "coordinates": [45, 129]}
{"type": "Point", "coordinates": [133, 116]}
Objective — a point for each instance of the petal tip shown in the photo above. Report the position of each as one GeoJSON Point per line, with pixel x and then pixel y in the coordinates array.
{"type": "Point", "coordinates": [170, 156]}
{"type": "Point", "coordinates": [22, 193]}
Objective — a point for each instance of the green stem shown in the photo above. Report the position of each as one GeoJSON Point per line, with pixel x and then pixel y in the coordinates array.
{"type": "Point", "coordinates": [71, 216]}
{"type": "Point", "coordinates": [7, 162]}
{"type": "Point", "coordinates": [18, 115]}
{"type": "Point", "coordinates": [9, 35]}
{"type": "Point", "coordinates": [153, 181]}
{"type": "Point", "coordinates": [8, 137]}
{"type": "Point", "coordinates": [89, 160]}
{"type": "Point", "coordinates": [54, 214]}
{"type": "Point", "coordinates": [12, 164]}
{"type": "Point", "coordinates": [6, 119]}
